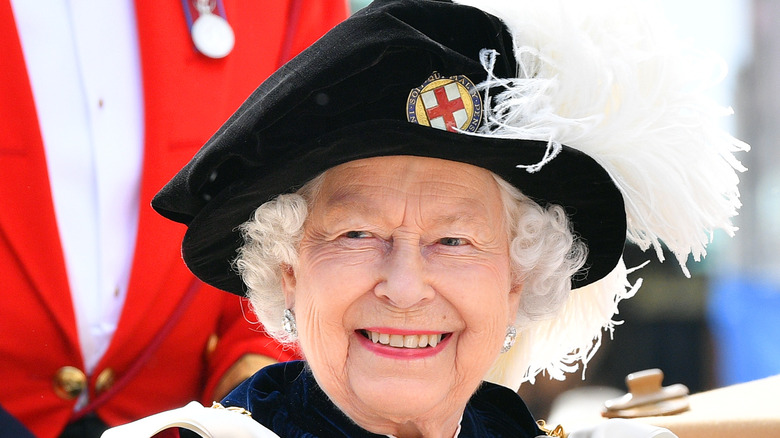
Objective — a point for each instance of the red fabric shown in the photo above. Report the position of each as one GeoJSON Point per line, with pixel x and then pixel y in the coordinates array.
{"type": "Point", "coordinates": [187, 96]}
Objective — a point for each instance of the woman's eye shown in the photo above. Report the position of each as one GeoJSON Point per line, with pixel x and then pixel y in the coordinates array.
{"type": "Point", "coordinates": [357, 234]}
{"type": "Point", "coordinates": [452, 241]}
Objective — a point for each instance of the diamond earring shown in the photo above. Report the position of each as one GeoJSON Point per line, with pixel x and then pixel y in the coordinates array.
{"type": "Point", "coordinates": [509, 340]}
{"type": "Point", "coordinates": [288, 324]}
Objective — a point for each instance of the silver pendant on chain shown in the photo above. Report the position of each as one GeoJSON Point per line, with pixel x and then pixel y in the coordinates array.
{"type": "Point", "coordinates": [213, 36]}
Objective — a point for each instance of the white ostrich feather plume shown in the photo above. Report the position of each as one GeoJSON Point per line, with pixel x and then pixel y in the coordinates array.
{"type": "Point", "coordinates": [610, 78]}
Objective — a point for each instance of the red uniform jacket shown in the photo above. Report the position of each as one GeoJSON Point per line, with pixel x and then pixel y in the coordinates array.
{"type": "Point", "coordinates": [187, 96]}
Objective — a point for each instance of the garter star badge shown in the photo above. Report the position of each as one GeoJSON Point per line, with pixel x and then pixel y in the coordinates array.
{"type": "Point", "coordinates": [447, 103]}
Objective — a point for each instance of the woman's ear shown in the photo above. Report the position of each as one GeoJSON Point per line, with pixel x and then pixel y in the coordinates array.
{"type": "Point", "coordinates": [288, 285]}
{"type": "Point", "coordinates": [515, 293]}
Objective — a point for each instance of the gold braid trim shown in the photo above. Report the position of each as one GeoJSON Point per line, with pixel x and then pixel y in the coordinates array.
{"type": "Point", "coordinates": [237, 409]}
{"type": "Point", "coordinates": [557, 431]}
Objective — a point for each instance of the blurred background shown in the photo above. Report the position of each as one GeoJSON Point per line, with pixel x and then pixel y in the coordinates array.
{"type": "Point", "coordinates": [722, 326]}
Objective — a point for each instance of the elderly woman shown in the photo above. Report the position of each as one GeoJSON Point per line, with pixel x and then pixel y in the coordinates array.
{"type": "Point", "coordinates": [404, 279]}
{"type": "Point", "coordinates": [429, 183]}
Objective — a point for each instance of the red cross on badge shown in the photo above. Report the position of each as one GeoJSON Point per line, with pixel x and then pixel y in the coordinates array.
{"type": "Point", "coordinates": [451, 104]}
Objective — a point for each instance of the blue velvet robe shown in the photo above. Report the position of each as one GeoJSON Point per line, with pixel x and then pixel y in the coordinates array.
{"type": "Point", "coordinates": [286, 399]}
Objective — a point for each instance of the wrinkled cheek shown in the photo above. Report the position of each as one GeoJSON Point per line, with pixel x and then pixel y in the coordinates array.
{"type": "Point", "coordinates": [477, 351]}
{"type": "Point", "coordinates": [322, 342]}
{"type": "Point", "coordinates": [327, 355]}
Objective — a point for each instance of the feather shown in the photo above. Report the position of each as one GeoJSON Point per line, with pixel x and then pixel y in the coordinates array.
{"type": "Point", "coordinates": [610, 78]}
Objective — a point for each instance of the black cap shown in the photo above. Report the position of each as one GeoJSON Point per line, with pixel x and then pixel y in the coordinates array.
{"type": "Point", "coordinates": [346, 98]}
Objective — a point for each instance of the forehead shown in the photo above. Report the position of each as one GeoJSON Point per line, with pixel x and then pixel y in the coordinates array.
{"type": "Point", "coordinates": [456, 189]}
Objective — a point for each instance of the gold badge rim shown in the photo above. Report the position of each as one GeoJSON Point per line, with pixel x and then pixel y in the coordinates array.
{"type": "Point", "coordinates": [472, 101]}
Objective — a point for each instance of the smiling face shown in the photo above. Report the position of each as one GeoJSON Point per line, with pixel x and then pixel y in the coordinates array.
{"type": "Point", "coordinates": [403, 293]}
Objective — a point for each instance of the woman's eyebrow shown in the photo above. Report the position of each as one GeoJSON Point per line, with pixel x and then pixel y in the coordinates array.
{"type": "Point", "coordinates": [344, 204]}
{"type": "Point", "coordinates": [463, 217]}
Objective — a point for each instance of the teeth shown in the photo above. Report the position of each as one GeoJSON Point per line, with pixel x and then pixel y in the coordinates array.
{"type": "Point", "coordinates": [396, 341]}
{"type": "Point", "coordinates": [404, 341]}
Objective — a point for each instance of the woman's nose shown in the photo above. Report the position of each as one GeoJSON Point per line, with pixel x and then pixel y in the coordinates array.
{"type": "Point", "coordinates": [404, 283]}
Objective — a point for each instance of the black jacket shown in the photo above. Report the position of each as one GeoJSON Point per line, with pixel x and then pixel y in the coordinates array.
{"type": "Point", "coordinates": [286, 399]}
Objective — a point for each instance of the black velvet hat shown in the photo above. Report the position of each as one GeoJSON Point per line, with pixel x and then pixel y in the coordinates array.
{"type": "Point", "coordinates": [347, 97]}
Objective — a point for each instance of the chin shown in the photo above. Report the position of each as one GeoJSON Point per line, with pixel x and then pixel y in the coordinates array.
{"type": "Point", "coordinates": [404, 398]}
